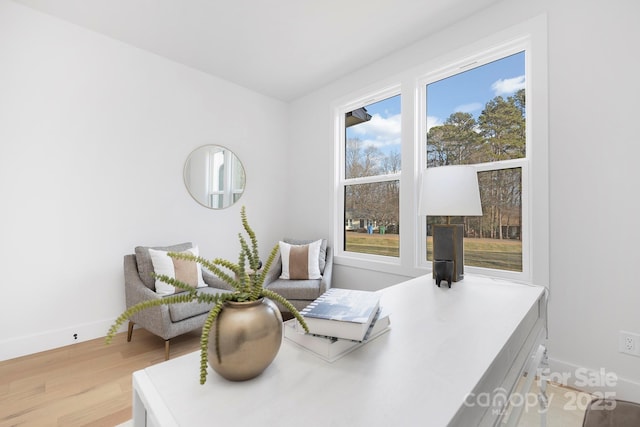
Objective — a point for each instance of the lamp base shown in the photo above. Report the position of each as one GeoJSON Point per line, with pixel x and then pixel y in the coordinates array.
{"type": "Point", "coordinates": [443, 270]}
{"type": "Point", "coordinates": [448, 246]}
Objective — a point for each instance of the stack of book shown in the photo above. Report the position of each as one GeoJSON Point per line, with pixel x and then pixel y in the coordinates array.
{"type": "Point", "coordinates": [340, 321]}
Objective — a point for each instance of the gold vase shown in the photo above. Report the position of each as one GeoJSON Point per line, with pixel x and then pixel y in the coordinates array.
{"type": "Point", "coordinates": [245, 338]}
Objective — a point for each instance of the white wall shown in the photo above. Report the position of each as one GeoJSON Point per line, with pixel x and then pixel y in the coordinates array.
{"type": "Point", "coordinates": [593, 89]}
{"type": "Point", "coordinates": [93, 138]}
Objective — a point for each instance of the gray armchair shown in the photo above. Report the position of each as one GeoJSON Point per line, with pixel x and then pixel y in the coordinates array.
{"type": "Point", "coordinates": [164, 321]}
{"type": "Point", "coordinates": [301, 292]}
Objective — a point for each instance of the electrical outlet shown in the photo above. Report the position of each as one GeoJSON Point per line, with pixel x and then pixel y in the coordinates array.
{"type": "Point", "coordinates": [629, 343]}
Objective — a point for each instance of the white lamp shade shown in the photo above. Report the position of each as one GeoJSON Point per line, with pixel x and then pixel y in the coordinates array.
{"type": "Point", "coordinates": [450, 191]}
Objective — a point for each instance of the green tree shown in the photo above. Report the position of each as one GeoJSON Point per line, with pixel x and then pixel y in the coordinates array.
{"type": "Point", "coordinates": [498, 134]}
{"type": "Point", "coordinates": [502, 125]}
{"type": "Point", "coordinates": [503, 128]}
{"type": "Point", "coordinates": [455, 142]}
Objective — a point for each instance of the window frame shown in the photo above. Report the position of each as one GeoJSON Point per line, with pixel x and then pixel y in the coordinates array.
{"type": "Point", "coordinates": [342, 182]}
{"type": "Point", "coordinates": [462, 65]}
{"type": "Point", "coordinates": [530, 36]}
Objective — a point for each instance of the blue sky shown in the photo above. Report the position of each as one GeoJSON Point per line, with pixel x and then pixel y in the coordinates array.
{"type": "Point", "coordinates": [467, 92]}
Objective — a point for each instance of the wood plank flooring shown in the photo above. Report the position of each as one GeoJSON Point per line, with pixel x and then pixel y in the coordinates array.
{"type": "Point", "coordinates": [89, 384]}
{"type": "Point", "coordinates": [82, 384]}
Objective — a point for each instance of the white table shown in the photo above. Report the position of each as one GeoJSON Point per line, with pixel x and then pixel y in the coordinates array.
{"type": "Point", "coordinates": [446, 347]}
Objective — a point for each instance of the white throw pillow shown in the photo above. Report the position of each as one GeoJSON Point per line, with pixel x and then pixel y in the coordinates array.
{"type": "Point", "coordinates": [185, 271]}
{"type": "Point", "coordinates": [300, 262]}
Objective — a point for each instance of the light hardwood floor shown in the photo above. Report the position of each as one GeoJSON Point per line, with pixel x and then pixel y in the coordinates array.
{"type": "Point", "coordinates": [82, 384]}
{"type": "Point", "coordinates": [89, 384]}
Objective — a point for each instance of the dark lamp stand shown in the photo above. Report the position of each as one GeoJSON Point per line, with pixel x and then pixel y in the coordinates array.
{"type": "Point", "coordinates": [449, 191]}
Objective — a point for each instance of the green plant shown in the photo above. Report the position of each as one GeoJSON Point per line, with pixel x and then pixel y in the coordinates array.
{"type": "Point", "coordinates": [248, 286]}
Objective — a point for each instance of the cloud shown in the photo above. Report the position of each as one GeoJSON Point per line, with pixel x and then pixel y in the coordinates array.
{"type": "Point", "coordinates": [508, 86]}
{"type": "Point", "coordinates": [380, 131]}
{"type": "Point", "coordinates": [469, 108]}
{"type": "Point", "coordinates": [433, 121]}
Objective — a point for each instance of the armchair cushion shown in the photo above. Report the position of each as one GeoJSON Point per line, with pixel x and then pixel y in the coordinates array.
{"type": "Point", "coordinates": [300, 292]}
{"type": "Point", "coordinates": [179, 312]}
{"type": "Point", "coordinates": [322, 256]}
{"type": "Point", "coordinates": [296, 289]}
{"type": "Point", "coordinates": [300, 262]}
{"type": "Point", "coordinates": [187, 272]}
{"type": "Point", "coordinates": [145, 266]}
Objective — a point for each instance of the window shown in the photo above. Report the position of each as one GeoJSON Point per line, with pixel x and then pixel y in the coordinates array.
{"type": "Point", "coordinates": [478, 117]}
{"type": "Point", "coordinates": [485, 105]}
{"type": "Point", "coordinates": [370, 177]}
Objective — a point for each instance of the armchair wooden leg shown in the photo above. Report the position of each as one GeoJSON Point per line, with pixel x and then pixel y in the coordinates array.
{"type": "Point", "coordinates": [130, 331]}
{"type": "Point", "coordinates": [166, 349]}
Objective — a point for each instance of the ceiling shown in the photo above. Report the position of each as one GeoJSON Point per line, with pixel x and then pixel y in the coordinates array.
{"type": "Point", "coordinates": [281, 48]}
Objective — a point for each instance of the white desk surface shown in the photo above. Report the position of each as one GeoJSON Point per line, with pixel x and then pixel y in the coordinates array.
{"type": "Point", "coordinates": [441, 344]}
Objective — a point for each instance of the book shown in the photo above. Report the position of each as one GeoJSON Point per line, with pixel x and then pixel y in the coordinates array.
{"type": "Point", "coordinates": [331, 349]}
{"type": "Point", "coordinates": [366, 336]}
{"type": "Point", "coordinates": [342, 313]}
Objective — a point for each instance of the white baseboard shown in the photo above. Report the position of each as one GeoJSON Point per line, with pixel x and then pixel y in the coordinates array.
{"type": "Point", "coordinates": [602, 383]}
{"type": "Point", "coordinates": [48, 340]}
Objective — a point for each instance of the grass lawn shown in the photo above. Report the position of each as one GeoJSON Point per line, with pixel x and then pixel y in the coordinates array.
{"type": "Point", "coordinates": [488, 253]}
{"type": "Point", "coordinates": [493, 253]}
{"type": "Point", "coordinates": [376, 244]}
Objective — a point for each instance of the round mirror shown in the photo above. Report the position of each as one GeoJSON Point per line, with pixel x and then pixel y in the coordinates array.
{"type": "Point", "coordinates": [214, 176]}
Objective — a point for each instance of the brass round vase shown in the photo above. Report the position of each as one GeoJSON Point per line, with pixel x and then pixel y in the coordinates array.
{"type": "Point", "coordinates": [248, 336]}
